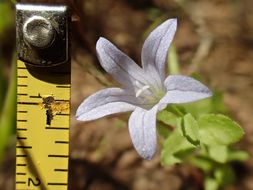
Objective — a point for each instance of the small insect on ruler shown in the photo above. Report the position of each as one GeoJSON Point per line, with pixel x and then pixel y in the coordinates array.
{"type": "Point", "coordinates": [43, 97]}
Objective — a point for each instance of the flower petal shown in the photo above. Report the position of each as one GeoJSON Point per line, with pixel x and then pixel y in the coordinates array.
{"type": "Point", "coordinates": [142, 129]}
{"type": "Point", "coordinates": [105, 102]}
{"type": "Point", "coordinates": [119, 65]}
{"type": "Point", "coordinates": [155, 48]}
{"type": "Point", "coordinates": [183, 89]}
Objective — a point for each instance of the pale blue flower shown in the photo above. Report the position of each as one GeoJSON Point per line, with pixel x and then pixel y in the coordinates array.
{"type": "Point", "coordinates": [145, 91]}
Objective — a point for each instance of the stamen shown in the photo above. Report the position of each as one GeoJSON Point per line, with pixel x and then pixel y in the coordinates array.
{"type": "Point", "coordinates": [141, 90]}
{"type": "Point", "coordinates": [137, 84]}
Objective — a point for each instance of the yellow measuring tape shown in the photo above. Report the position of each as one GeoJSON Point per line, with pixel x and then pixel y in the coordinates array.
{"type": "Point", "coordinates": [43, 115]}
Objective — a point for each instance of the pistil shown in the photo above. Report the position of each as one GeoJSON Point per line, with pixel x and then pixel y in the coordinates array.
{"type": "Point", "coordinates": [141, 90]}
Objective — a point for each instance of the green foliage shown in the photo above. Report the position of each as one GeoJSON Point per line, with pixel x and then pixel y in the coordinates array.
{"type": "Point", "coordinates": [7, 95]}
{"type": "Point", "coordinates": [163, 130]}
{"type": "Point", "coordinates": [204, 142]}
{"type": "Point", "coordinates": [224, 175]}
{"type": "Point", "coordinates": [218, 153]}
{"type": "Point", "coordinates": [7, 13]}
{"type": "Point", "coordinates": [173, 67]}
{"type": "Point", "coordinates": [211, 184]}
{"type": "Point", "coordinates": [167, 117]}
{"type": "Point", "coordinates": [237, 155]}
{"type": "Point", "coordinates": [198, 133]}
{"type": "Point", "coordinates": [211, 105]}
{"type": "Point", "coordinates": [175, 147]}
{"type": "Point", "coordinates": [202, 138]}
{"type": "Point", "coordinates": [202, 162]}
{"type": "Point", "coordinates": [201, 134]}
{"type": "Point", "coordinates": [218, 130]}
{"type": "Point", "coordinates": [2, 84]}
{"type": "Point", "coordinates": [6, 23]}
{"type": "Point", "coordinates": [190, 129]}
{"type": "Point", "coordinates": [8, 116]}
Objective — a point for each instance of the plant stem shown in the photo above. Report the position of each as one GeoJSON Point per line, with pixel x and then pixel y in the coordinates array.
{"type": "Point", "coordinates": [173, 65]}
{"type": "Point", "coordinates": [8, 116]}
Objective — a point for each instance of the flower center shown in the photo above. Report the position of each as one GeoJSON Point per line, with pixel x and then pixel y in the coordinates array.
{"type": "Point", "coordinates": [147, 94]}
{"type": "Point", "coordinates": [141, 90]}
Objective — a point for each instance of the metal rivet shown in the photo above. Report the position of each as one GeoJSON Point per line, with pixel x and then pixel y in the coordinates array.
{"type": "Point", "coordinates": [39, 32]}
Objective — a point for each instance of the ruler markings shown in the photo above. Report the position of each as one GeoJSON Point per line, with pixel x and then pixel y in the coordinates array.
{"type": "Point", "coordinates": [22, 120]}
{"type": "Point", "coordinates": [57, 156]}
{"type": "Point", "coordinates": [21, 138]}
{"type": "Point", "coordinates": [24, 147]}
{"type": "Point", "coordinates": [36, 169]}
{"type": "Point", "coordinates": [21, 129]}
{"type": "Point", "coordinates": [58, 128]}
{"type": "Point", "coordinates": [65, 184]}
{"type": "Point", "coordinates": [63, 114]}
{"type": "Point", "coordinates": [61, 170]}
{"type": "Point", "coordinates": [22, 85]}
{"type": "Point", "coordinates": [22, 111]}
{"type": "Point", "coordinates": [20, 182]}
{"type": "Point", "coordinates": [22, 94]}
{"type": "Point", "coordinates": [21, 164]}
{"type": "Point", "coordinates": [33, 96]}
{"type": "Point", "coordinates": [61, 142]}
{"type": "Point", "coordinates": [28, 103]}
{"type": "Point", "coordinates": [21, 173]}
{"type": "Point", "coordinates": [21, 67]}
{"type": "Point", "coordinates": [59, 86]}
{"type": "Point", "coordinates": [21, 155]}
{"type": "Point", "coordinates": [22, 77]}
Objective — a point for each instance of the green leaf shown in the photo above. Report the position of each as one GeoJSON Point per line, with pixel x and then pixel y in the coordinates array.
{"type": "Point", "coordinates": [213, 104]}
{"type": "Point", "coordinates": [162, 130]}
{"type": "Point", "coordinates": [224, 175]}
{"type": "Point", "coordinates": [174, 148]}
{"type": "Point", "coordinates": [169, 159]}
{"type": "Point", "coordinates": [238, 155]}
{"type": "Point", "coordinates": [218, 130]}
{"type": "Point", "coordinates": [199, 108]}
{"type": "Point", "coordinates": [167, 117]}
{"type": "Point", "coordinates": [6, 12]}
{"type": "Point", "coordinates": [173, 65]}
{"type": "Point", "coordinates": [217, 104]}
{"type": "Point", "coordinates": [211, 184]}
{"type": "Point", "coordinates": [218, 153]}
{"type": "Point", "coordinates": [177, 110]}
{"type": "Point", "coordinates": [202, 162]}
{"type": "Point", "coordinates": [190, 129]}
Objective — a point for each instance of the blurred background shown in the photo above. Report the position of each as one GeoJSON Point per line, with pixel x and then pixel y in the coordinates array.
{"type": "Point", "coordinates": [214, 39]}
